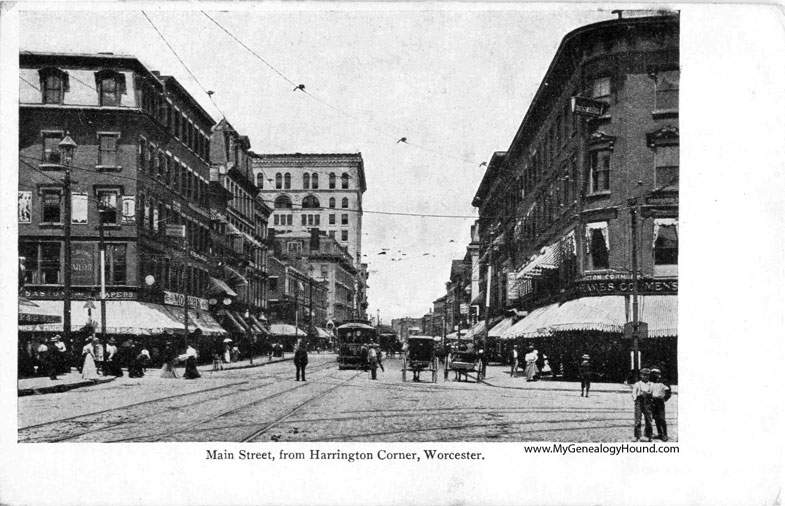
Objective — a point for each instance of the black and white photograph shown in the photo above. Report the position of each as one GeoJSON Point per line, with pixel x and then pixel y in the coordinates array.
{"type": "Point", "coordinates": [415, 235]}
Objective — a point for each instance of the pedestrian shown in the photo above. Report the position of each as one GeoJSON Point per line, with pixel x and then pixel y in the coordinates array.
{"type": "Point", "coordinates": [227, 357]}
{"type": "Point", "coordinates": [483, 363]}
{"type": "Point", "coordinates": [112, 359]}
{"type": "Point", "coordinates": [585, 373]}
{"type": "Point", "coordinates": [300, 361]}
{"type": "Point", "coordinates": [144, 359]}
{"type": "Point", "coordinates": [217, 363]}
{"type": "Point", "coordinates": [514, 362]}
{"type": "Point", "coordinates": [89, 370]}
{"type": "Point", "coordinates": [546, 371]}
{"type": "Point", "coordinates": [191, 372]}
{"type": "Point", "coordinates": [61, 356]}
{"type": "Point", "coordinates": [135, 368]}
{"type": "Point", "coordinates": [373, 360]}
{"type": "Point", "coordinates": [169, 357]}
{"type": "Point", "coordinates": [531, 365]}
{"type": "Point", "coordinates": [98, 349]}
{"type": "Point", "coordinates": [660, 393]}
{"type": "Point", "coordinates": [50, 359]}
{"type": "Point", "coordinates": [641, 394]}
{"type": "Point", "coordinates": [235, 353]}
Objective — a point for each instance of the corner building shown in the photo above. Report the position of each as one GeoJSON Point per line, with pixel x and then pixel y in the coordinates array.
{"type": "Point", "coordinates": [597, 149]}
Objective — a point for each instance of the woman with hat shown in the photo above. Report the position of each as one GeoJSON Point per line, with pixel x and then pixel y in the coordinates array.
{"type": "Point", "coordinates": [112, 359]}
{"type": "Point", "coordinates": [585, 372]}
{"type": "Point", "coordinates": [191, 372]}
{"type": "Point", "coordinates": [89, 371]}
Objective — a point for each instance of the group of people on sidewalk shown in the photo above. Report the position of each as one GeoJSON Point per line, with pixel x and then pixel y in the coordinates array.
{"type": "Point", "coordinates": [531, 370]}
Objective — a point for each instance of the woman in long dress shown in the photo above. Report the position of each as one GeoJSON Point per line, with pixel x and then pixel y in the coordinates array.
{"type": "Point", "coordinates": [167, 371]}
{"type": "Point", "coordinates": [89, 371]}
{"type": "Point", "coordinates": [531, 365]}
{"type": "Point", "coordinates": [191, 372]}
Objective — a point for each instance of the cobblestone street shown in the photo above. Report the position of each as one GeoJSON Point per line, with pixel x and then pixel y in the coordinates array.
{"type": "Point", "coordinates": [265, 404]}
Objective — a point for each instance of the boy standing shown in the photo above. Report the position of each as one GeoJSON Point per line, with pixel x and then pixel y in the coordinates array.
{"type": "Point", "coordinates": [660, 393]}
{"type": "Point", "coordinates": [585, 372]}
{"type": "Point", "coordinates": [641, 394]}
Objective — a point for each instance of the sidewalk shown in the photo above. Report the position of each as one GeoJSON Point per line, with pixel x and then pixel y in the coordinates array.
{"type": "Point", "coordinates": [499, 376]}
{"type": "Point", "coordinates": [64, 382]}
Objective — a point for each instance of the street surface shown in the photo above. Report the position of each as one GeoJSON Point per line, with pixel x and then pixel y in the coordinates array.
{"type": "Point", "coordinates": [265, 404]}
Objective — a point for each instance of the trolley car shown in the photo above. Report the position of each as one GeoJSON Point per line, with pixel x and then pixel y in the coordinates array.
{"type": "Point", "coordinates": [420, 357]}
{"type": "Point", "coordinates": [351, 338]}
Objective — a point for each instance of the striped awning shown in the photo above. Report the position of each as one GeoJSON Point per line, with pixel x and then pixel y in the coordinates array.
{"type": "Point", "coordinates": [197, 319]}
{"type": "Point", "coordinates": [31, 313]}
{"type": "Point", "coordinates": [548, 258]}
{"type": "Point", "coordinates": [219, 286]}
{"type": "Point", "coordinates": [477, 330]}
{"type": "Point", "coordinates": [122, 317]}
{"type": "Point", "coordinates": [604, 314]}
{"type": "Point", "coordinates": [500, 328]}
{"type": "Point", "coordinates": [284, 329]}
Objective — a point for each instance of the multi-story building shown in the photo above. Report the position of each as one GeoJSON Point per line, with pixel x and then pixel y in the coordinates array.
{"type": "Point", "coordinates": [140, 177]}
{"type": "Point", "coordinates": [322, 191]}
{"type": "Point", "coordinates": [327, 264]}
{"type": "Point", "coordinates": [439, 319]}
{"type": "Point", "coordinates": [405, 327]}
{"type": "Point", "coordinates": [594, 163]}
{"type": "Point", "coordinates": [241, 258]}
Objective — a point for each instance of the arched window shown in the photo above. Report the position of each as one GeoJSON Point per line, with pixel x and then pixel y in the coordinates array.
{"type": "Point", "coordinates": [287, 181]}
{"type": "Point", "coordinates": [306, 181]}
{"type": "Point", "coordinates": [332, 203]}
{"type": "Point", "coordinates": [283, 202]}
{"type": "Point", "coordinates": [260, 180]}
{"type": "Point", "coordinates": [278, 181]}
{"type": "Point", "coordinates": [332, 180]}
{"type": "Point", "coordinates": [310, 202]}
{"type": "Point", "coordinates": [344, 202]}
{"type": "Point", "coordinates": [344, 180]}
{"type": "Point", "coordinates": [315, 181]}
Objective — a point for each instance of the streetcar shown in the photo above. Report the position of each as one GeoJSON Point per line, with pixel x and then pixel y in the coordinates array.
{"type": "Point", "coordinates": [420, 357]}
{"type": "Point", "coordinates": [351, 338]}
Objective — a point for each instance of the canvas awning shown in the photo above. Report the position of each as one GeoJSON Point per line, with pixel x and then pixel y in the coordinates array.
{"type": "Point", "coordinates": [477, 330]}
{"type": "Point", "coordinates": [219, 286]}
{"type": "Point", "coordinates": [500, 328]}
{"type": "Point", "coordinates": [31, 313]}
{"type": "Point", "coordinates": [605, 314]}
{"type": "Point", "coordinates": [322, 334]}
{"type": "Point", "coordinates": [284, 329]}
{"type": "Point", "coordinates": [122, 317]}
{"type": "Point", "coordinates": [231, 321]}
{"type": "Point", "coordinates": [548, 258]}
{"type": "Point", "coordinates": [197, 319]}
{"type": "Point", "coordinates": [259, 325]}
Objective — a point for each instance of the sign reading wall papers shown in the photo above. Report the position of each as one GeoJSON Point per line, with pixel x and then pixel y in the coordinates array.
{"type": "Point", "coordinates": [82, 264]}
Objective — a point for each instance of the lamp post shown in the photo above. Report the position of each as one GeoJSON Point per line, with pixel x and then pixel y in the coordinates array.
{"type": "Point", "coordinates": [247, 316]}
{"type": "Point", "coordinates": [67, 148]}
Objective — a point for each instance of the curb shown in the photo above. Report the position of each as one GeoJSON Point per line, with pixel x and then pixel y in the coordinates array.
{"type": "Point", "coordinates": [249, 366]}
{"type": "Point", "coordinates": [50, 389]}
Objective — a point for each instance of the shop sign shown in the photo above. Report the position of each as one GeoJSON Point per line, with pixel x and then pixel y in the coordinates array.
{"type": "Point", "coordinates": [583, 106]}
{"type": "Point", "coordinates": [513, 292]}
{"type": "Point", "coordinates": [82, 264]}
{"type": "Point", "coordinates": [624, 287]}
{"type": "Point", "coordinates": [464, 308]}
{"type": "Point", "coordinates": [178, 299]}
{"type": "Point", "coordinates": [78, 294]}
{"type": "Point", "coordinates": [175, 230]}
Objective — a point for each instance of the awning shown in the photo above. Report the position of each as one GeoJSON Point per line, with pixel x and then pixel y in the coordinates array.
{"type": "Point", "coordinates": [218, 286]}
{"type": "Point", "coordinates": [284, 329]}
{"type": "Point", "coordinates": [322, 334]}
{"type": "Point", "coordinates": [604, 314]}
{"type": "Point", "coordinates": [32, 314]}
{"type": "Point", "coordinates": [197, 319]}
{"type": "Point", "coordinates": [232, 322]}
{"type": "Point", "coordinates": [548, 258]}
{"type": "Point", "coordinates": [476, 331]}
{"type": "Point", "coordinates": [479, 299]}
{"type": "Point", "coordinates": [233, 277]}
{"type": "Point", "coordinates": [257, 323]}
{"type": "Point", "coordinates": [501, 327]}
{"type": "Point", "coordinates": [122, 317]}
{"type": "Point", "coordinates": [239, 319]}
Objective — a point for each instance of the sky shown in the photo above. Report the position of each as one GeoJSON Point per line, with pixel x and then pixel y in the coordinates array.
{"type": "Point", "coordinates": [455, 80]}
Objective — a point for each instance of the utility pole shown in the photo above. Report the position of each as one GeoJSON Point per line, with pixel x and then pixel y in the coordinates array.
{"type": "Point", "coordinates": [67, 149]}
{"type": "Point", "coordinates": [633, 203]}
{"type": "Point", "coordinates": [186, 265]}
{"type": "Point", "coordinates": [102, 248]}
{"type": "Point", "coordinates": [488, 290]}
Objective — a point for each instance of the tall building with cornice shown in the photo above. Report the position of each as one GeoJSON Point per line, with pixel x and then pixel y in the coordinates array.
{"type": "Point", "coordinates": [315, 191]}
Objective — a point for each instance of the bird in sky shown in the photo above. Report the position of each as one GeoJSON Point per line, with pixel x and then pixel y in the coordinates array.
{"type": "Point", "coordinates": [402, 139]}
{"type": "Point", "coordinates": [382, 253]}
{"type": "Point", "coordinates": [210, 93]}
{"type": "Point", "coordinates": [452, 240]}
{"type": "Point", "coordinates": [484, 164]}
{"type": "Point", "coordinates": [300, 87]}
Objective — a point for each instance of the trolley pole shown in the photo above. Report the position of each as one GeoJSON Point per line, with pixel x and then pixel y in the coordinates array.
{"type": "Point", "coordinates": [635, 324]}
{"type": "Point", "coordinates": [67, 255]}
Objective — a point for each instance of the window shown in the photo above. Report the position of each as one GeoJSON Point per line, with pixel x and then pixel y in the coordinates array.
{"type": "Point", "coordinates": [344, 219]}
{"type": "Point", "coordinates": [111, 85]}
{"type": "Point", "coordinates": [667, 85]}
{"type": "Point", "coordinates": [306, 181]}
{"type": "Point", "coordinates": [273, 283]}
{"type": "Point", "coordinates": [332, 219]}
{"type": "Point", "coordinates": [666, 246]}
{"type": "Point", "coordinates": [107, 150]}
{"type": "Point", "coordinates": [315, 181]}
{"type": "Point", "coordinates": [601, 89]}
{"type": "Point", "coordinates": [310, 202]}
{"type": "Point", "coordinates": [304, 220]}
{"type": "Point", "coordinates": [275, 219]}
{"type": "Point", "coordinates": [278, 181]}
{"type": "Point", "coordinates": [597, 245]}
{"type": "Point", "coordinates": [116, 264]}
{"type": "Point", "coordinates": [50, 263]}
{"type": "Point", "coordinates": [107, 202]}
{"type": "Point", "coordinates": [288, 220]}
{"type": "Point", "coordinates": [316, 219]}
{"type": "Point", "coordinates": [54, 84]}
{"type": "Point", "coordinates": [332, 203]}
{"type": "Point", "coordinates": [332, 180]}
{"type": "Point", "coordinates": [344, 235]}
{"type": "Point", "coordinates": [310, 220]}
{"type": "Point", "coordinates": [331, 233]}
{"type": "Point", "coordinates": [294, 247]}
{"type": "Point", "coordinates": [345, 181]}
{"type": "Point", "coordinates": [344, 203]}
{"type": "Point", "coordinates": [283, 202]}
{"type": "Point", "coordinates": [666, 163]}
{"type": "Point", "coordinates": [600, 171]}
{"type": "Point", "coordinates": [52, 147]}
{"type": "Point", "coordinates": [52, 211]}
{"type": "Point", "coordinates": [260, 180]}
{"type": "Point", "coordinates": [287, 181]}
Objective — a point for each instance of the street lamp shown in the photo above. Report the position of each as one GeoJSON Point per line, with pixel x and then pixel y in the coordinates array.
{"type": "Point", "coordinates": [247, 316]}
{"type": "Point", "coordinates": [67, 148]}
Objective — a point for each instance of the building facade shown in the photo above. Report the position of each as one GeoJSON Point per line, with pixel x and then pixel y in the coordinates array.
{"type": "Point", "coordinates": [141, 165]}
{"type": "Point", "coordinates": [594, 164]}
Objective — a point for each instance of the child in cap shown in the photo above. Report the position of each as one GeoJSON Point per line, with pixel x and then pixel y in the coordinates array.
{"type": "Point", "coordinates": [585, 372]}
{"type": "Point", "coordinates": [660, 393]}
{"type": "Point", "coordinates": [641, 394]}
